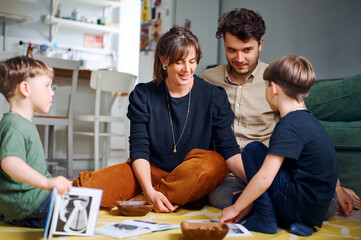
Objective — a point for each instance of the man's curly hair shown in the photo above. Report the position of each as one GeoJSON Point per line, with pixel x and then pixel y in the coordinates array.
{"type": "Point", "coordinates": [243, 23]}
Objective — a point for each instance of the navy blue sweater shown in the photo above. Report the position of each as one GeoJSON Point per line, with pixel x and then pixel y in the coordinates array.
{"type": "Point", "coordinates": [208, 126]}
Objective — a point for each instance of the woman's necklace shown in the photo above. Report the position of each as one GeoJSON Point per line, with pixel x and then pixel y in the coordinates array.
{"type": "Point", "coordinates": [170, 118]}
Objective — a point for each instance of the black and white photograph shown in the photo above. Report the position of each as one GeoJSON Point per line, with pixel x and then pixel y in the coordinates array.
{"type": "Point", "coordinates": [154, 226]}
{"type": "Point", "coordinates": [74, 213]}
{"type": "Point", "coordinates": [133, 227]}
{"type": "Point", "coordinates": [122, 230]}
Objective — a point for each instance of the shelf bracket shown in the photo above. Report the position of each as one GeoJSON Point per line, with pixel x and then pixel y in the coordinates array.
{"type": "Point", "coordinates": [4, 34]}
{"type": "Point", "coordinates": [106, 11]}
{"type": "Point", "coordinates": [54, 6]}
{"type": "Point", "coordinates": [53, 30]}
{"type": "Point", "coordinates": [106, 37]}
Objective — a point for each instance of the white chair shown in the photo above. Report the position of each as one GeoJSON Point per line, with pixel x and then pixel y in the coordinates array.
{"type": "Point", "coordinates": [109, 82]}
{"type": "Point", "coordinates": [50, 121]}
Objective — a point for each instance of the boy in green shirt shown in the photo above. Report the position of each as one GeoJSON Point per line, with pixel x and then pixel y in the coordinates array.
{"type": "Point", "coordinates": [25, 184]}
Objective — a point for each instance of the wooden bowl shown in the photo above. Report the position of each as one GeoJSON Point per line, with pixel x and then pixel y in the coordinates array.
{"type": "Point", "coordinates": [134, 208]}
{"type": "Point", "coordinates": [209, 231]}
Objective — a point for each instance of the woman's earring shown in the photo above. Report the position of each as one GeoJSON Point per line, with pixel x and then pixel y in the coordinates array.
{"type": "Point", "coordinates": [164, 67]}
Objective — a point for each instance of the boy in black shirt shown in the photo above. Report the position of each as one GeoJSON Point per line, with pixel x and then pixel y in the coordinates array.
{"type": "Point", "coordinates": [295, 178]}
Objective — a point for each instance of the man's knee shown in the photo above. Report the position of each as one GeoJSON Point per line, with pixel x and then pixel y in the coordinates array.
{"type": "Point", "coordinates": [222, 195]}
{"type": "Point", "coordinates": [332, 208]}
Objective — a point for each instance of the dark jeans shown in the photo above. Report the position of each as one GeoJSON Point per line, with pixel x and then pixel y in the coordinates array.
{"type": "Point", "coordinates": [253, 156]}
{"type": "Point", "coordinates": [37, 219]}
{"type": "Point", "coordinates": [222, 196]}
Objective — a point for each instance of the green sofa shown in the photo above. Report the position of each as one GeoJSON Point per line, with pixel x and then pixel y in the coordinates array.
{"type": "Point", "coordinates": [337, 105]}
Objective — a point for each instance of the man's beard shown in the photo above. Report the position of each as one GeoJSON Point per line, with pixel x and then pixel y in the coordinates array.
{"type": "Point", "coordinates": [241, 73]}
{"type": "Point", "coordinates": [245, 72]}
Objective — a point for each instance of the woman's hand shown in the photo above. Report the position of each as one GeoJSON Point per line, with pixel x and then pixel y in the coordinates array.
{"type": "Point", "coordinates": [141, 169]}
{"type": "Point", "coordinates": [160, 202]}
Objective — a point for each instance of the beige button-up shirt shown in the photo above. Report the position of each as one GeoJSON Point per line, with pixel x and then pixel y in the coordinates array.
{"type": "Point", "coordinates": [254, 119]}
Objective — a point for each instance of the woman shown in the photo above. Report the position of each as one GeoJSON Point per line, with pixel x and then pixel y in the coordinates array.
{"type": "Point", "coordinates": [176, 122]}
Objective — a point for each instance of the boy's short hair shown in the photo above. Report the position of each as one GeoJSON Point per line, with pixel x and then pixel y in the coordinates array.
{"type": "Point", "coordinates": [294, 74]}
{"type": "Point", "coordinates": [15, 70]}
{"type": "Point", "coordinates": [242, 23]}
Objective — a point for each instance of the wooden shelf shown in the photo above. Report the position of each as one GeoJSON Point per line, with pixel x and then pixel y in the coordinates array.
{"type": "Point", "coordinates": [103, 3]}
{"type": "Point", "coordinates": [81, 25]}
{"type": "Point", "coordinates": [11, 12]}
{"type": "Point", "coordinates": [57, 22]}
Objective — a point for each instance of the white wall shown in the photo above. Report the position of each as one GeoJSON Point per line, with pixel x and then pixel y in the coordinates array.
{"type": "Point", "coordinates": [204, 16]}
{"type": "Point", "coordinates": [129, 38]}
{"type": "Point", "coordinates": [33, 29]}
{"type": "Point", "coordinates": [146, 59]}
{"type": "Point", "coordinates": [327, 32]}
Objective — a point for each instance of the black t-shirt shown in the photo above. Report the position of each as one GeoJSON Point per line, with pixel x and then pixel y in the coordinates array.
{"type": "Point", "coordinates": [310, 159]}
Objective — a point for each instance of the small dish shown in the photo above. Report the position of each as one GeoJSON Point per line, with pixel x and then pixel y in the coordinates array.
{"type": "Point", "coordinates": [209, 231]}
{"type": "Point", "coordinates": [134, 208]}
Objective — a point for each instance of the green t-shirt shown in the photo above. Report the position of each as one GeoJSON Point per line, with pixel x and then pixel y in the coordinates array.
{"type": "Point", "coordinates": [20, 138]}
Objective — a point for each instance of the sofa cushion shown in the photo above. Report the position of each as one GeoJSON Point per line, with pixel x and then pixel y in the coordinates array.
{"type": "Point", "coordinates": [336, 100]}
{"type": "Point", "coordinates": [345, 135]}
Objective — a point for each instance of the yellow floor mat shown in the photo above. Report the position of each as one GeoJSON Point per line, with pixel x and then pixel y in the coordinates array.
{"type": "Point", "coordinates": [336, 229]}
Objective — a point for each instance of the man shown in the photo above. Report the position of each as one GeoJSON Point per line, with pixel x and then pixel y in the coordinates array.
{"type": "Point", "coordinates": [242, 78]}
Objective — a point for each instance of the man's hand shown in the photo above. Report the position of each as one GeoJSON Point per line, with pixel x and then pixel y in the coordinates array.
{"type": "Point", "coordinates": [355, 198]}
{"type": "Point", "coordinates": [344, 201]}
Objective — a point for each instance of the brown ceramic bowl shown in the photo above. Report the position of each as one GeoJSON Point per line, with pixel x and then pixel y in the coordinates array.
{"type": "Point", "coordinates": [209, 231]}
{"type": "Point", "coordinates": [134, 208]}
